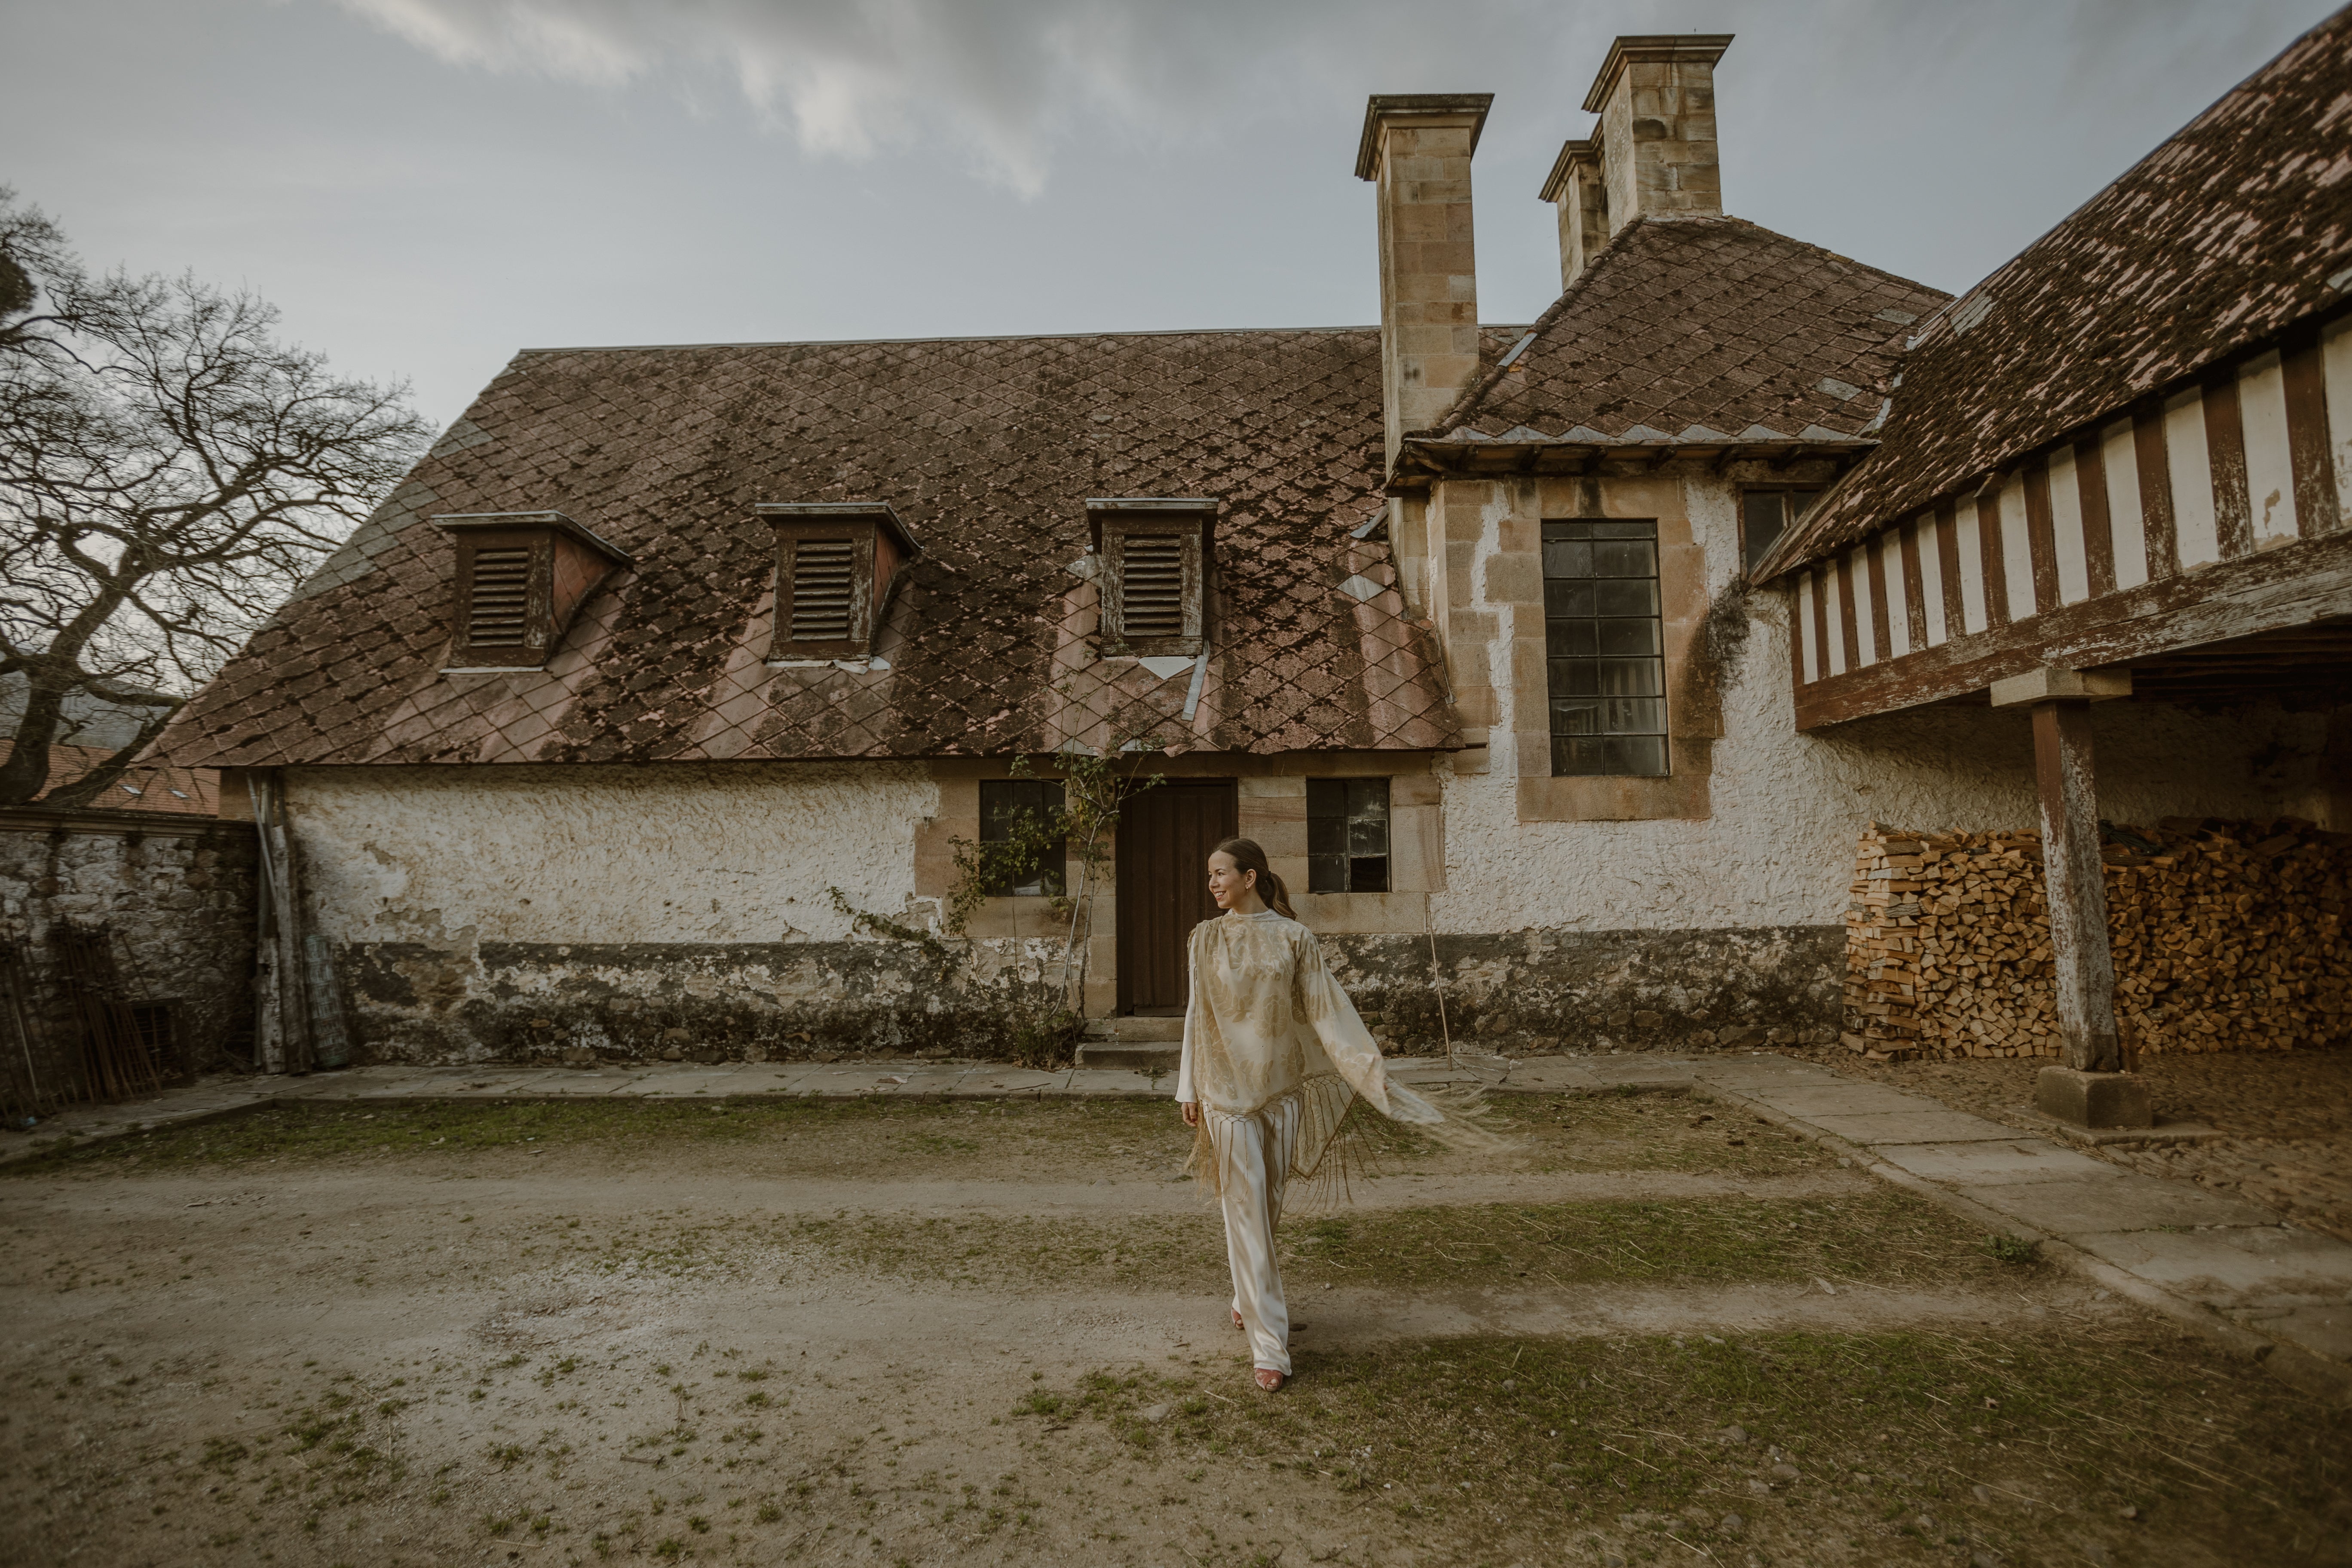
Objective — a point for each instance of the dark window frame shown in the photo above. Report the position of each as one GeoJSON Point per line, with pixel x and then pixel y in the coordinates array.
{"type": "Point", "coordinates": [1001, 800]}
{"type": "Point", "coordinates": [1757, 533]}
{"type": "Point", "coordinates": [1350, 836]}
{"type": "Point", "coordinates": [1604, 647]}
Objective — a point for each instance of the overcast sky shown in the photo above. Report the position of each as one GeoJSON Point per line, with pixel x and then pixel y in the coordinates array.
{"type": "Point", "coordinates": [424, 187]}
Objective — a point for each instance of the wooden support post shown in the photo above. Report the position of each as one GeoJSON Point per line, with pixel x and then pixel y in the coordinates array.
{"type": "Point", "coordinates": [2074, 881]}
{"type": "Point", "coordinates": [2091, 1090]}
{"type": "Point", "coordinates": [282, 1012]}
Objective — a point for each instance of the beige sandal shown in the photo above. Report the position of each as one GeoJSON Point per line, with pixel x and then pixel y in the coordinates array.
{"type": "Point", "coordinates": [1238, 1323]}
{"type": "Point", "coordinates": [1276, 1380]}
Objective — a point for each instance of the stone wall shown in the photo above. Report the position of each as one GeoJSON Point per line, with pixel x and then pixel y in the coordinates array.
{"type": "Point", "coordinates": [175, 893]}
{"type": "Point", "coordinates": [1551, 990]}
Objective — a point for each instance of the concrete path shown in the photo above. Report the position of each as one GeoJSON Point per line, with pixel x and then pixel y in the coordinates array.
{"type": "Point", "coordinates": [2232, 1271]}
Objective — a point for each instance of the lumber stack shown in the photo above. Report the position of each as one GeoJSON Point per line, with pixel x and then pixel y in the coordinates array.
{"type": "Point", "coordinates": [2227, 936]}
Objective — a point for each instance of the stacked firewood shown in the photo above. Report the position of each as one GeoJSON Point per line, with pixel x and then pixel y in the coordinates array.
{"type": "Point", "coordinates": [2227, 936]}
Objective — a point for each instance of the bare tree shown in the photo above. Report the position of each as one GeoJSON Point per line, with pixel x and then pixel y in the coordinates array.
{"type": "Point", "coordinates": [168, 473]}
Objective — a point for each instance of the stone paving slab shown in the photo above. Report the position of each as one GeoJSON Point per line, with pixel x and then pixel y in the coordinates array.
{"type": "Point", "coordinates": [1815, 1100]}
{"type": "Point", "coordinates": [1551, 1075]}
{"type": "Point", "coordinates": [2074, 1206]}
{"type": "Point", "coordinates": [2246, 1268]}
{"type": "Point", "coordinates": [1997, 1164]}
{"type": "Point", "coordinates": [2325, 1330]}
{"type": "Point", "coordinates": [1932, 1126]}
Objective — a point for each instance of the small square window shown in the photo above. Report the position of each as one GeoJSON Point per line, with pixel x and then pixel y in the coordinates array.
{"type": "Point", "coordinates": [1346, 835]}
{"type": "Point", "coordinates": [1765, 515]}
{"type": "Point", "coordinates": [1006, 808]}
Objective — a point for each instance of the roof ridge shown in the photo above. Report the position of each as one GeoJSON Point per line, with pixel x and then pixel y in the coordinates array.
{"type": "Point", "coordinates": [886, 342]}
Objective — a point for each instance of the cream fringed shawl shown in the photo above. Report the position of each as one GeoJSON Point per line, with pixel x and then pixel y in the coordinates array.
{"type": "Point", "coordinates": [1267, 1024]}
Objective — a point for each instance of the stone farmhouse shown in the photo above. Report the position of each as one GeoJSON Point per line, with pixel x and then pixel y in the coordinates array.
{"type": "Point", "coordinates": [1560, 664]}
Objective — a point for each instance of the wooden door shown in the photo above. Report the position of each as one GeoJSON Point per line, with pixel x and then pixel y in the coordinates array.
{"type": "Point", "coordinates": [1164, 839]}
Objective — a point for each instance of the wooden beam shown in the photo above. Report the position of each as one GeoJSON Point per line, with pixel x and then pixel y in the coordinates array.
{"type": "Point", "coordinates": [1882, 632]}
{"type": "Point", "coordinates": [1914, 587]}
{"type": "Point", "coordinates": [2152, 456]}
{"type": "Point", "coordinates": [2316, 507]}
{"type": "Point", "coordinates": [2075, 884]}
{"type": "Point", "coordinates": [1947, 568]}
{"type": "Point", "coordinates": [2289, 586]}
{"type": "Point", "coordinates": [1992, 553]}
{"type": "Point", "coordinates": [2225, 443]}
{"type": "Point", "coordinates": [2042, 534]}
{"type": "Point", "coordinates": [2098, 526]}
{"type": "Point", "coordinates": [1847, 629]}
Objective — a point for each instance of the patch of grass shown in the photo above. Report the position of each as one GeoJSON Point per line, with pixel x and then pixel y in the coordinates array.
{"type": "Point", "coordinates": [1878, 1235]}
{"type": "Point", "coordinates": [850, 1137]}
{"type": "Point", "coordinates": [825, 1135]}
{"type": "Point", "coordinates": [1648, 1132]}
{"type": "Point", "coordinates": [1913, 1447]}
{"type": "Point", "coordinates": [2015, 1249]}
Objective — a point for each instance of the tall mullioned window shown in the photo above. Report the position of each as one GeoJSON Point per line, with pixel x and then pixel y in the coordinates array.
{"type": "Point", "coordinates": [1605, 643]}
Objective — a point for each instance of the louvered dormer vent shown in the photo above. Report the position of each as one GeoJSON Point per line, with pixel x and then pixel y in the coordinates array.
{"type": "Point", "coordinates": [836, 564]}
{"type": "Point", "coordinates": [499, 613]}
{"type": "Point", "coordinates": [1151, 575]}
{"type": "Point", "coordinates": [824, 589]}
{"type": "Point", "coordinates": [520, 577]}
{"type": "Point", "coordinates": [1154, 553]}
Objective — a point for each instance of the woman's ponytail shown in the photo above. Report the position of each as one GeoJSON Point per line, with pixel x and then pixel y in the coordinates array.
{"type": "Point", "coordinates": [1248, 857]}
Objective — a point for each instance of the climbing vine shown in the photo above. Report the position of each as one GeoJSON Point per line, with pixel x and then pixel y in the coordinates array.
{"type": "Point", "coordinates": [1047, 1014]}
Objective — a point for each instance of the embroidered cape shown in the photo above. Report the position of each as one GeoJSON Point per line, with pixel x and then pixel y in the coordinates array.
{"type": "Point", "coordinates": [1267, 1024]}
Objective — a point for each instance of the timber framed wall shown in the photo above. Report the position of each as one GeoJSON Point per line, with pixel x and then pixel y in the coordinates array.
{"type": "Point", "coordinates": [2212, 512]}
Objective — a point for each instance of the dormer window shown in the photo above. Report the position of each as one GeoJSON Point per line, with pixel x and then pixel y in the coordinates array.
{"type": "Point", "coordinates": [835, 563]}
{"type": "Point", "coordinates": [521, 576]}
{"type": "Point", "coordinates": [1153, 554]}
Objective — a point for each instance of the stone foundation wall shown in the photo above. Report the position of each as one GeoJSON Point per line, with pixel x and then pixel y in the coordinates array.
{"type": "Point", "coordinates": [579, 1003]}
{"type": "Point", "coordinates": [176, 895]}
{"type": "Point", "coordinates": [582, 1003]}
{"type": "Point", "coordinates": [1611, 990]}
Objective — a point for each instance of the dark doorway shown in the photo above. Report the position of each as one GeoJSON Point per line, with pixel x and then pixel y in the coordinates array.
{"type": "Point", "coordinates": [1164, 839]}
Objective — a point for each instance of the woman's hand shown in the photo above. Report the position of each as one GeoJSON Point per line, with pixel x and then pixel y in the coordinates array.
{"type": "Point", "coordinates": [1191, 1110]}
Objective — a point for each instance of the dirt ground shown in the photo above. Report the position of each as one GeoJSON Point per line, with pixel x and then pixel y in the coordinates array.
{"type": "Point", "coordinates": [757, 1332]}
{"type": "Point", "coordinates": [2285, 1118]}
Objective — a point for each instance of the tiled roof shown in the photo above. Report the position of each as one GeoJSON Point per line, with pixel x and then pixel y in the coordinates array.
{"type": "Point", "coordinates": [988, 449]}
{"type": "Point", "coordinates": [1706, 321]}
{"type": "Point", "coordinates": [192, 792]}
{"type": "Point", "coordinates": [2237, 227]}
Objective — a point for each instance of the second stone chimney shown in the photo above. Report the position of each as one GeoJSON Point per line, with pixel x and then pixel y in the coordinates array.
{"type": "Point", "coordinates": [1577, 188]}
{"type": "Point", "coordinates": [1416, 151]}
{"type": "Point", "coordinates": [1655, 97]}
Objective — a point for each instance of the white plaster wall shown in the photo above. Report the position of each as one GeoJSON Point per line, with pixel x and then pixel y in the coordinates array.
{"type": "Point", "coordinates": [676, 853]}
{"type": "Point", "coordinates": [1786, 807]}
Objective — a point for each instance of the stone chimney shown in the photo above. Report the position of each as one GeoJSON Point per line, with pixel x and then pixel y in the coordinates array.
{"type": "Point", "coordinates": [1416, 151]}
{"type": "Point", "coordinates": [1655, 97]}
{"type": "Point", "coordinates": [1577, 188]}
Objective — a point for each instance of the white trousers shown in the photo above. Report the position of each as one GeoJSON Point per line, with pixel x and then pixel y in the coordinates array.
{"type": "Point", "coordinates": [1258, 1160]}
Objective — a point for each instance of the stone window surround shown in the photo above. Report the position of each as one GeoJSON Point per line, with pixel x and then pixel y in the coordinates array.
{"type": "Point", "coordinates": [1491, 575]}
{"type": "Point", "coordinates": [1272, 800]}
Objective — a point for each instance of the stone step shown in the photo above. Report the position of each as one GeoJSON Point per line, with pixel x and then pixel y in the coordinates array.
{"type": "Point", "coordinates": [1137, 1031]}
{"type": "Point", "coordinates": [1140, 1056]}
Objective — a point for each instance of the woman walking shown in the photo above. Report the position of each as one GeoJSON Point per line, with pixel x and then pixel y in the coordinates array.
{"type": "Point", "coordinates": [1273, 1057]}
